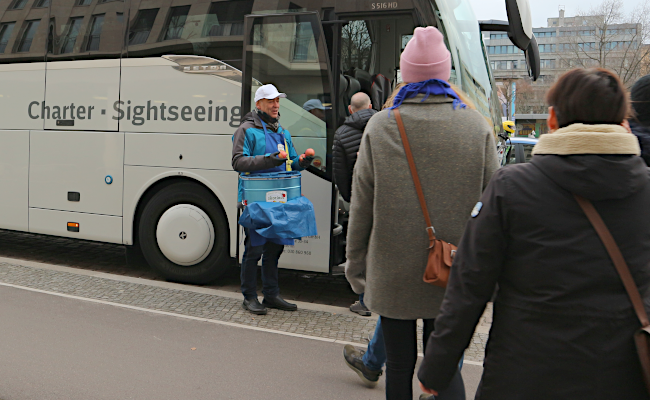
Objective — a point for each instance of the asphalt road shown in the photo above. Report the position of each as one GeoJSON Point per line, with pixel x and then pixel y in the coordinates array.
{"type": "Point", "coordinates": [59, 348]}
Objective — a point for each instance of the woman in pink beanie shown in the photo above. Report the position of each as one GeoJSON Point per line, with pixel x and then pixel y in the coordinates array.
{"type": "Point", "coordinates": [387, 244]}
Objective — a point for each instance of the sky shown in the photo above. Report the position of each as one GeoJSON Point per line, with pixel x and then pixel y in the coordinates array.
{"type": "Point", "coordinates": [540, 9]}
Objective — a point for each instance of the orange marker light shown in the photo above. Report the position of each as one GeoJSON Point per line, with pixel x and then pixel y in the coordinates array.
{"type": "Point", "coordinates": [73, 226]}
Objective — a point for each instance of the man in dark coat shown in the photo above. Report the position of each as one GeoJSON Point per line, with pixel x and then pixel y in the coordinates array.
{"type": "Point", "coordinates": [344, 155]}
{"type": "Point", "coordinates": [347, 140]}
{"type": "Point", "coordinates": [641, 123]}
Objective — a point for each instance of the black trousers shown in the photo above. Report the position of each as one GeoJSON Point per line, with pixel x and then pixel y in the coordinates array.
{"type": "Point", "coordinates": [400, 338]}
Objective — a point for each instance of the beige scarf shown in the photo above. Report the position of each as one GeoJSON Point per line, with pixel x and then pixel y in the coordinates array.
{"type": "Point", "coordinates": [588, 139]}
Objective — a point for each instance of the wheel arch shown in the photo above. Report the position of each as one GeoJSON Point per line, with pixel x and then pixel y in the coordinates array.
{"type": "Point", "coordinates": [154, 185]}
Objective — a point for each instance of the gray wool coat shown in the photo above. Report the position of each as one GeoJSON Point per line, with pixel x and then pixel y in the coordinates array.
{"type": "Point", "coordinates": [387, 244]}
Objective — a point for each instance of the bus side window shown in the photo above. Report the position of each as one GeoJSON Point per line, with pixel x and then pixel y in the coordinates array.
{"type": "Point", "coordinates": [85, 30]}
{"type": "Point", "coordinates": [198, 29]}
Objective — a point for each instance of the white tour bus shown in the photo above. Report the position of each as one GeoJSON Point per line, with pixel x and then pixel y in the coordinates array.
{"type": "Point", "coordinates": [117, 116]}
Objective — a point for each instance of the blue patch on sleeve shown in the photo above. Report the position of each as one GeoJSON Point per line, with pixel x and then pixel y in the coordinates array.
{"type": "Point", "coordinates": [477, 209]}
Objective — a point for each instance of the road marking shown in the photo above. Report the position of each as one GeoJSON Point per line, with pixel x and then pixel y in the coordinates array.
{"type": "Point", "coordinates": [213, 321]}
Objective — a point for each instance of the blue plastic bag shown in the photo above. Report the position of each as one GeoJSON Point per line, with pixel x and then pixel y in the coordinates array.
{"type": "Point", "coordinates": [291, 220]}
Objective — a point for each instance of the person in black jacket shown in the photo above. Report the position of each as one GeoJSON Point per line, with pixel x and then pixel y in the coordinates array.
{"type": "Point", "coordinates": [563, 324]}
{"type": "Point", "coordinates": [641, 123]}
{"type": "Point", "coordinates": [347, 140]}
{"type": "Point", "coordinates": [344, 155]}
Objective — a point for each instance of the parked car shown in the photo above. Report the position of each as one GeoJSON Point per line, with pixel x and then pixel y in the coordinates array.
{"type": "Point", "coordinates": [518, 150]}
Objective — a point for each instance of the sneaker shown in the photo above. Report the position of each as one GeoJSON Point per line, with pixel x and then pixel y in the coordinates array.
{"type": "Point", "coordinates": [360, 309]}
{"type": "Point", "coordinates": [354, 360]}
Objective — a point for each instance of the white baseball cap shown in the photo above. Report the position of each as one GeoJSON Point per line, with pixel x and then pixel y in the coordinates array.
{"type": "Point", "coordinates": [268, 92]}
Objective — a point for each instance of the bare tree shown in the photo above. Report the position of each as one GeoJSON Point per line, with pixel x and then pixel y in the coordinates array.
{"type": "Point", "coordinates": [357, 46]}
{"type": "Point", "coordinates": [606, 37]}
{"type": "Point", "coordinates": [528, 98]}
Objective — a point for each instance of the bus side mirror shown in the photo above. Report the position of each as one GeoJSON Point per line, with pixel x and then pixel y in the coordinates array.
{"type": "Point", "coordinates": [520, 32]}
{"type": "Point", "coordinates": [520, 23]}
{"type": "Point", "coordinates": [532, 59]}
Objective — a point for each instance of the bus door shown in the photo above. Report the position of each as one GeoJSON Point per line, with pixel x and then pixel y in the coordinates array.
{"type": "Point", "coordinates": [76, 162]}
{"type": "Point", "coordinates": [289, 51]}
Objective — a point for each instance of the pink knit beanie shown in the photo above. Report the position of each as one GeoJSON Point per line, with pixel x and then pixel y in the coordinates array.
{"type": "Point", "coordinates": [425, 57]}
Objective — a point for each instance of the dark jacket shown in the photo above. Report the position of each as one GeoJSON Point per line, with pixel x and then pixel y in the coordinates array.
{"type": "Point", "coordinates": [563, 324]}
{"type": "Point", "coordinates": [346, 145]}
{"type": "Point", "coordinates": [642, 133]}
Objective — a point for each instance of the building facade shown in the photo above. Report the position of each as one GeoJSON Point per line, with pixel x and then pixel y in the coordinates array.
{"type": "Point", "coordinates": [565, 43]}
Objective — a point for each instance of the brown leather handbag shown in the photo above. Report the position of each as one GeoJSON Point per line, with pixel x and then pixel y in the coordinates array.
{"type": "Point", "coordinates": [441, 253]}
{"type": "Point", "coordinates": [642, 336]}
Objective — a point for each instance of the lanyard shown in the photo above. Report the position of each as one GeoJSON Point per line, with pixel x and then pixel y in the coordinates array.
{"type": "Point", "coordinates": [286, 147]}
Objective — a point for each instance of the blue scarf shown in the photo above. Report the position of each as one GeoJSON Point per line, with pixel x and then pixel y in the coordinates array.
{"type": "Point", "coordinates": [434, 87]}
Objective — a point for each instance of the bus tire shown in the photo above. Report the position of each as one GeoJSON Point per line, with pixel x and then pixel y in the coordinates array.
{"type": "Point", "coordinates": [190, 255]}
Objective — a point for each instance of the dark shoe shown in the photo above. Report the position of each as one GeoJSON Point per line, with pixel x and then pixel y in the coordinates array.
{"type": "Point", "coordinates": [279, 303]}
{"type": "Point", "coordinates": [426, 396]}
{"type": "Point", "coordinates": [360, 308]}
{"type": "Point", "coordinates": [253, 305]}
{"type": "Point", "coordinates": [354, 360]}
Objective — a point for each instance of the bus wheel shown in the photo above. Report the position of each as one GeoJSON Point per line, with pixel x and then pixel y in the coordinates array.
{"type": "Point", "coordinates": [183, 234]}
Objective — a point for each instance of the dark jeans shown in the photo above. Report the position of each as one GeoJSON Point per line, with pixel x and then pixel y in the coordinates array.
{"type": "Point", "coordinates": [270, 254]}
{"type": "Point", "coordinates": [400, 339]}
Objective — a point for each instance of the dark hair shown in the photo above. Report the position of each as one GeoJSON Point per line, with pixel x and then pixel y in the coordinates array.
{"type": "Point", "coordinates": [589, 96]}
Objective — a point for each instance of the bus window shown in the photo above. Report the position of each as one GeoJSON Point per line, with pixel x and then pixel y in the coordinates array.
{"type": "Point", "coordinates": [23, 36]}
{"type": "Point", "coordinates": [370, 54]}
{"type": "Point", "coordinates": [93, 33]}
{"type": "Point", "coordinates": [208, 29]}
{"type": "Point", "coordinates": [466, 46]}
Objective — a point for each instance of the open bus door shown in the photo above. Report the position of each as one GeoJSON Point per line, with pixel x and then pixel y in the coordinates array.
{"type": "Point", "coordinates": [289, 51]}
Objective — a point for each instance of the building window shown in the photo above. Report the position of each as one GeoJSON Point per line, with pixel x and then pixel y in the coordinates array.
{"type": "Point", "coordinates": [84, 2]}
{"type": "Point", "coordinates": [42, 3]}
{"type": "Point", "coordinates": [176, 22]}
{"type": "Point", "coordinates": [5, 34]}
{"type": "Point", "coordinates": [504, 50]}
{"type": "Point", "coordinates": [142, 26]}
{"type": "Point", "coordinates": [586, 33]}
{"type": "Point", "coordinates": [547, 63]}
{"type": "Point", "coordinates": [587, 46]}
{"type": "Point", "coordinates": [226, 18]}
{"type": "Point", "coordinates": [547, 48]}
{"type": "Point", "coordinates": [120, 18]}
{"type": "Point", "coordinates": [545, 34]}
{"type": "Point", "coordinates": [71, 35]}
{"type": "Point", "coordinates": [18, 4]}
{"type": "Point", "coordinates": [305, 47]}
{"type": "Point", "coordinates": [29, 31]}
{"type": "Point", "coordinates": [494, 36]}
{"type": "Point", "coordinates": [95, 32]}
{"type": "Point", "coordinates": [107, 1]}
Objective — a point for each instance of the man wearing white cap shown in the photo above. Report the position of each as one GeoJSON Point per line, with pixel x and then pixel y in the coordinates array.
{"type": "Point", "coordinates": [257, 147]}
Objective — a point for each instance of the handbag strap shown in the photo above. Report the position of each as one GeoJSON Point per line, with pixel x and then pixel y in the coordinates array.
{"type": "Point", "coordinates": [416, 179]}
{"type": "Point", "coordinates": [616, 256]}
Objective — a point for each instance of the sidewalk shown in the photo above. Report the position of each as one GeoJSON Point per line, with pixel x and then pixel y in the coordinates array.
{"type": "Point", "coordinates": [320, 322]}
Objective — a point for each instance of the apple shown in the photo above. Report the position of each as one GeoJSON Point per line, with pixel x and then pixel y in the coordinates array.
{"type": "Point", "coordinates": [283, 154]}
{"type": "Point", "coordinates": [310, 153]}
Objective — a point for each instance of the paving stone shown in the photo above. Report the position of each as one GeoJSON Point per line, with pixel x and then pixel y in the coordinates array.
{"type": "Point", "coordinates": [307, 322]}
